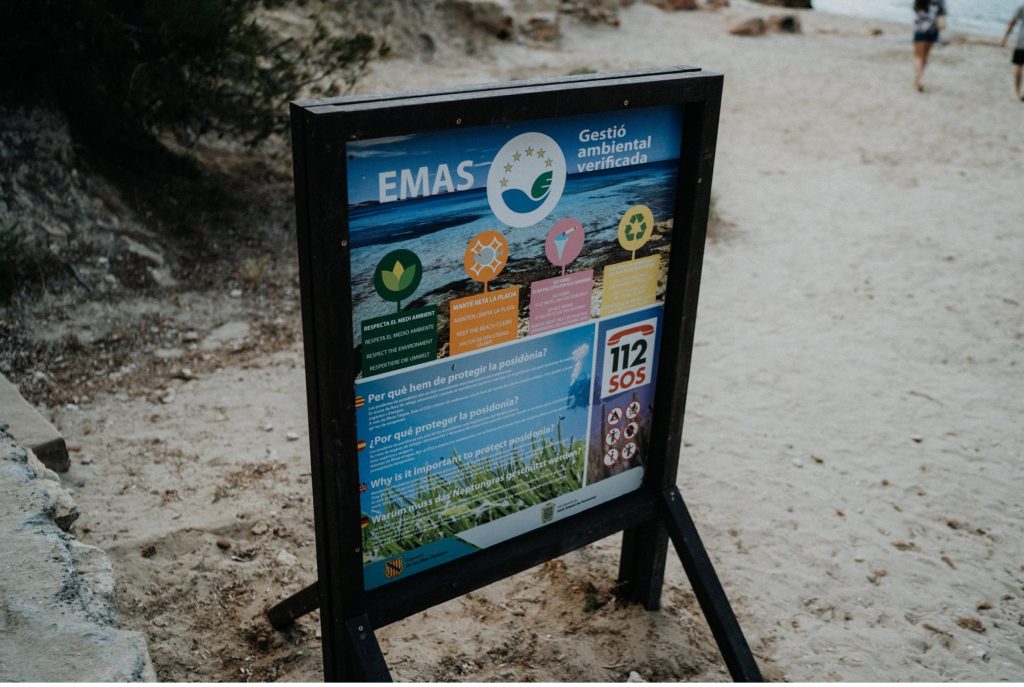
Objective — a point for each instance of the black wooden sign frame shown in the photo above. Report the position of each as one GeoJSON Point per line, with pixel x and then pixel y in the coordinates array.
{"type": "Point", "coordinates": [649, 516]}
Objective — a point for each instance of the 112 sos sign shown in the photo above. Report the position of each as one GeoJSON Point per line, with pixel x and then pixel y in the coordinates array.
{"type": "Point", "coordinates": [628, 357]}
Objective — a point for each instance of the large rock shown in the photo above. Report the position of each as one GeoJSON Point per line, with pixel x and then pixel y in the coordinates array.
{"type": "Point", "coordinates": [537, 20]}
{"type": "Point", "coordinates": [673, 5]}
{"type": "Point", "coordinates": [792, 4]}
{"type": "Point", "coordinates": [32, 429]}
{"type": "Point", "coordinates": [58, 619]}
{"type": "Point", "coordinates": [494, 16]}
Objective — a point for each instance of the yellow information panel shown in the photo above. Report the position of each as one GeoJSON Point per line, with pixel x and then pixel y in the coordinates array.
{"type": "Point", "coordinates": [629, 285]}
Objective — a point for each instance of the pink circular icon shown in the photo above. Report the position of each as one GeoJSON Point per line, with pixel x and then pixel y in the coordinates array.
{"type": "Point", "coordinates": [612, 436]}
{"type": "Point", "coordinates": [631, 429]}
{"type": "Point", "coordinates": [628, 451]}
{"type": "Point", "coordinates": [611, 457]}
{"type": "Point", "coordinates": [564, 242]}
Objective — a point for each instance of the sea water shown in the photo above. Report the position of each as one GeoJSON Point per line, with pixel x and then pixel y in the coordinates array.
{"type": "Point", "coordinates": [981, 17]}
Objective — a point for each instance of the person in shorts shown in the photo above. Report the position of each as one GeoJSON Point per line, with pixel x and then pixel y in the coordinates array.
{"type": "Point", "coordinates": [927, 21]}
{"type": "Point", "coordinates": [1018, 53]}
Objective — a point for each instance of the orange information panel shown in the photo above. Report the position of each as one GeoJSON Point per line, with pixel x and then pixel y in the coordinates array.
{"type": "Point", "coordinates": [484, 320]}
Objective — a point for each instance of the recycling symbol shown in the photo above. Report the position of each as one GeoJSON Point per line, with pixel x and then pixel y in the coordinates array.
{"type": "Point", "coordinates": [636, 227]}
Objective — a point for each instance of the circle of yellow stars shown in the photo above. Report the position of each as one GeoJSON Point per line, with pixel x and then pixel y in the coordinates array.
{"type": "Point", "coordinates": [518, 156]}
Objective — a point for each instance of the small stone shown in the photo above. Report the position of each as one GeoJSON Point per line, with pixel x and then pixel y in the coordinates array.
{"type": "Point", "coordinates": [635, 677]}
{"type": "Point", "coordinates": [190, 336]}
{"type": "Point", "coordinates": [750, 27]}
{"type": "Point", "coordinates": [148, 550]}
{"type": "Point", "coordinates": [236, 293]}
{"type": "Point", "coordinates": [268, 427]}
{"type": "Point", "coordinates": [71, 407]}
{"type": "Point", "coordinates": [168, 353]}
{"type": "Point", "coordinates": [231, 334]}
{"type": "Point", "coordinates": [783, 23]}
{"type": "Point", "coordinates": [285, 558]}
{"type": "Point", "coordinates": [291, 436]}
{"type": "Point", "coordinates": [797, 463]}
{"type": "Point", "coordinates": [223, 543]}
{"type": "Point", "coordinates": [259, 529]}
{"type": "Point", "coordinates": [917, 439]}
{"type": "Point", "coordinates": [185, 374]}
{"type": "Point", "coordinates": [168, 396]}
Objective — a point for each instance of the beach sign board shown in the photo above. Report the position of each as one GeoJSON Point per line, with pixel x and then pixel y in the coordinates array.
{"type": "Point", "coordinates": [499, 285]}
{"type": "Point", "coordinates": [507, 290]}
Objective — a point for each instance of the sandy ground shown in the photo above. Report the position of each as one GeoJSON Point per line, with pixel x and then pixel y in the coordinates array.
{"type": "Point", "coordinates": [853, 438]}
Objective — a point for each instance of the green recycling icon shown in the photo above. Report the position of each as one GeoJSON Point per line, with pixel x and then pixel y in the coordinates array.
{"type": "Point", "coordinates": [636, 227]}
{"type": "Point", "coordinates": [398, 275]}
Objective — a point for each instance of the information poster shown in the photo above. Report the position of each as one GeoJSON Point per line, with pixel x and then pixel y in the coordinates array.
{"type": "Point", "coordinates": [508, 287]}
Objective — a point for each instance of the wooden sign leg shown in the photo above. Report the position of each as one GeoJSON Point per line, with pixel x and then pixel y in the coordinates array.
{"type": "Point", "coordinates": [367, 661]}
{"type": "Point", "coordinates": [363, 662]}
{"type": "Point", "coordinates": [283, 614]}
{"type": "Point", "coordinates": [642, 564]}
{"type": "Point", "coordinates": [708, 590]}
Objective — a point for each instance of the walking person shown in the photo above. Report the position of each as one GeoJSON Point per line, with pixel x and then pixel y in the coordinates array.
{"type": "Point", "coordinates": [1018, 53]}
{"type": "Point", "coordinates": [929, 17]}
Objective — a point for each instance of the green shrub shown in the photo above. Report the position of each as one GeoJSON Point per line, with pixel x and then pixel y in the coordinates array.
{"type": "Point", "coordinates": [126, 71]}
{"type": "Point", "coordinates": [19, 264]}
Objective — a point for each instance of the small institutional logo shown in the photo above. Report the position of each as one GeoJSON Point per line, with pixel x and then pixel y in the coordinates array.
{"type": "Point", "coordinates": [526, 179]}
{"type": "Point", "coordinates": [393, 568]}
{"type": "Point", "coordinates": [547, 512]}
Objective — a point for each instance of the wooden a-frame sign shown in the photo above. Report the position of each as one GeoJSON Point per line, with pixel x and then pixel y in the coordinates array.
{"type": "Point", "coordinates": [546, 238]}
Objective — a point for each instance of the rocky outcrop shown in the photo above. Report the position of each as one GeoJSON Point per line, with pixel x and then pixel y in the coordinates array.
{"type": "Point", "coordinates": [58, 620]}
{"type": "Point", "coordinates": [56, 208]}
{"type": "Point", "coordinates": [32, 429]}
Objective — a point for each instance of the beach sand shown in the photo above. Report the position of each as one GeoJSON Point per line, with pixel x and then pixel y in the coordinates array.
{"type": "Point", "coordinates": [853, 433]}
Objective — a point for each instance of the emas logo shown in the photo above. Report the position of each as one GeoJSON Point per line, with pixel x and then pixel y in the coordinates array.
{"type": "Point", "coordinates": [526, 179]}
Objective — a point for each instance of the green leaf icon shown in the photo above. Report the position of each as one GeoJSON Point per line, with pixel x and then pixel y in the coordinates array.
{"type": "Point", "coordinates": [398, 275]}
{"type": "Point", "coordinates": [390, 281]}
{"type": "Point", "coordinates": [541, 185]}
{"type": "Point", "coordinates": [406, 278]}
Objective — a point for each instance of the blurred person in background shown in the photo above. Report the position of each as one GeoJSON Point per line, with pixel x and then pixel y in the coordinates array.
{"type": "Point", "coordinates": [1018, 53]}
{"type": "Point", "coordinates": [929, 19]}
